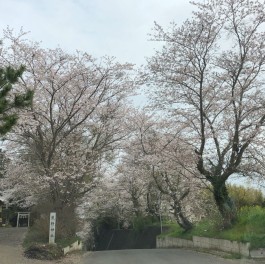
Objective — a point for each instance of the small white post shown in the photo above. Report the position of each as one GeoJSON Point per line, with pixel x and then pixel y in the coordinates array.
{"type": "Point", "coordinates": [28, 219]}
{"type": "Point", "coordinates": [18, 215]}
{"type": "Point", "coordinates": [52, 228]}
{"type": "Point", "coordinates": [160, 213]}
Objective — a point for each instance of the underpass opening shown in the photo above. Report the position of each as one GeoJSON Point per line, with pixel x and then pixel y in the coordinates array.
{"type": "Point", "coordinates": [117, 239]}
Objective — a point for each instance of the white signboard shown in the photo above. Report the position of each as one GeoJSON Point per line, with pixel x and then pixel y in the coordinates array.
{"type": "Point", "coordinates": [52, 228]}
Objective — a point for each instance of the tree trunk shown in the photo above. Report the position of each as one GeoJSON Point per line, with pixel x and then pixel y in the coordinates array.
{"type": "Point", "coordinates": [182, 220]}
{"type": "Point", "coordinates": [136, 206]}
{"type": "Point", "coordinates": [153, 207]}
{"type": "Point", "coordinates": [224, 203]}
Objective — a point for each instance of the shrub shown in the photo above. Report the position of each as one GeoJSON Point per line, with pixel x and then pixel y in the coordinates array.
{"type": "Point", "coordinates": [243, 196]}
{"type": "Point", "coordinates": [66, 220]}
{"type": "Point", "coordinates": [35, 235]}
{"type": "Point", "coordinates": [44, 252]}
{"type": "Point", "coordinates": [252, 218]}
{"type": "Point", "coordinates": [66, 224]}
{"type": "Point", "coordinates": [140, 222]}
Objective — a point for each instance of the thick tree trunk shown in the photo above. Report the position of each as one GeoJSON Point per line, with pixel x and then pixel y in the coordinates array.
{"type": "Point", "coordinates": [182, 220]}
{"type": "Point", "coordinates": [224, 203]}
{"type": "Point", "coordinates": [136, 206]}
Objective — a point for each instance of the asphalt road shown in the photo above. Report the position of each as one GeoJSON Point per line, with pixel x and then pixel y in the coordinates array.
{"type": "Point", "coordinates": [155, 256]}
{"type": "Point", "coordinates": [12, 236]}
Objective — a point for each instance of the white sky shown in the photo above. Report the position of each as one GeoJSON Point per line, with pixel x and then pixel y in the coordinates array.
{"type": "Point", "coordinates": [100, 27]}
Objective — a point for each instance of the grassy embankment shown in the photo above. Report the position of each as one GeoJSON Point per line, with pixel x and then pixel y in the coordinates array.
{"type": "Point", "coordinates": [250, 227]}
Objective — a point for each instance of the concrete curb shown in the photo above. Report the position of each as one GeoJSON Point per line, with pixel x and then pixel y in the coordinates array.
{"type": "Point", "coordinates": [206, 243]}
{"type": "Point", "coordinates": [76, 246]}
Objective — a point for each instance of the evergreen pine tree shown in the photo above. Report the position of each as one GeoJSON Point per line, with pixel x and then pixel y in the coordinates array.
{"type": "Point", "coordinates": [8, 117]}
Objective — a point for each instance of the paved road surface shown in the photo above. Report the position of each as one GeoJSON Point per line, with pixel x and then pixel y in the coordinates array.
{"type": "Point", "coordinates": [11, 252]}
{"type": "Point", "coordinates": [12, 236]}
{"type": "Point", "coordinates": [155, 256]}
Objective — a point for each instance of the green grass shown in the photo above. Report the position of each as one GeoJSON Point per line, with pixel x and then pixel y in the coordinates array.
{"type": "Point", "coordinates": [172, 230]}
{"type": "Point", "coordinates": [250, 227]}
{"type": "Point", "coordinates": [140, 222]}
{"type": "Point", "coordinates": [67, 241]}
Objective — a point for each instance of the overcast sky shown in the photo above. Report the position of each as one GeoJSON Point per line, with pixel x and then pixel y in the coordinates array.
{"type": "Point", "coordinates": [100, 27]}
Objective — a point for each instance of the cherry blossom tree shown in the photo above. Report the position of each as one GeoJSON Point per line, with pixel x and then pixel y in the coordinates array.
{"type": "Point", "coordinates": [133, 180]}
{"type": "Point", "coordinates": [209, 77]}
{"type": "Point", "coordinates": [76, 122]}
{"type": "Point", "coordinates": [157, 157]}
{"type": "Point", "coordinates": [170, 170]}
